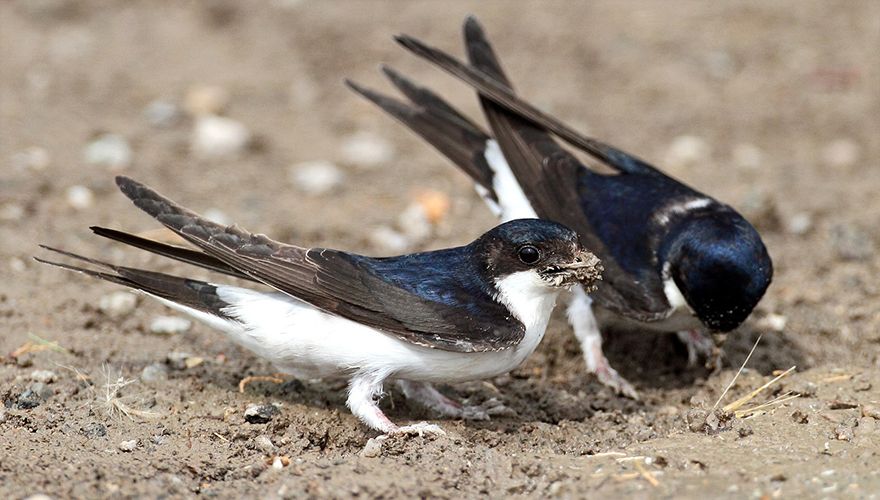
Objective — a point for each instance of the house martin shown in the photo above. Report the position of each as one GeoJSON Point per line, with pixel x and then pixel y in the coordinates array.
{"type": "Point", "coordinates": [450, 315]}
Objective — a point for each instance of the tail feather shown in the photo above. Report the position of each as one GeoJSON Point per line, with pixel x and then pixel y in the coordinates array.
{"type": "Point", "coordinates": [181, 254]}
{"type": "Point", "coordinates": [194, 294]}
{"type": "Point", "coordinates": [441, 125]}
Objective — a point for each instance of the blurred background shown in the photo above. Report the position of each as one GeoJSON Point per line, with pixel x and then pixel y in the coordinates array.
{"type": "Point", "coordinates": [237, 110]}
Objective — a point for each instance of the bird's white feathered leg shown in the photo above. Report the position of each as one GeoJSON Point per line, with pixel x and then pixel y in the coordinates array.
{"type": "Point", "coordinates": [586, 329]}
{"type": "Point", "coordinates": [363, 390]}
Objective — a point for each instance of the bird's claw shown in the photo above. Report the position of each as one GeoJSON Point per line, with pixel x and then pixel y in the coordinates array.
{"type": "Point", "coordinates": [608, 376]}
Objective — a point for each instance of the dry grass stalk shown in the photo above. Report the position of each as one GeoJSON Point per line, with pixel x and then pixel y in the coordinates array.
{"type": "Point", "coordinates": [741, 368]}
{"type": "Point", "coordinates": [732, 407]}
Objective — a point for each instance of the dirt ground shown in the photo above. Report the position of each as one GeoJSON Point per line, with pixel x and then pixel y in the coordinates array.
{"type": "Point", "coordinates": [773, 107]}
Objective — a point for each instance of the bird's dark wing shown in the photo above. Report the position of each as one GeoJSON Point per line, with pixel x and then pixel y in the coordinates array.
{"type": "Point", "coordinates": [334, 281]}
{"type": "Point", "coordinates": [555, 183]}
{"type": "Point", "coordinates": [181, 254]}
{"type": "Point", "coordinates": [500, 93]}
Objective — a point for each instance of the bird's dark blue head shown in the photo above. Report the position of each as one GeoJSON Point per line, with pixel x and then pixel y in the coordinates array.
{"type": "Point", "coordinates": [720, 265]}
{"type": "Point", "coordinates": [551, 250]}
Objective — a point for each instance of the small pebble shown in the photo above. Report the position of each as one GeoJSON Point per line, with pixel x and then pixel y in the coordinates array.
{"type": "Point", "coordinates": [38, 496]}
{"type": "Point", "coordinates": [851, 242]}
{"type": "Point", "coordinates": [841, 153]}
{"type": "Point", "coordinates": [44, 376]}
{"type": "Point", "coordinates": [218, 216]}
{"type": "Point", "coordinates": [316, 177]}
{"type": "Point", "coordinates": [366, 150]}
{"type": "Point", "coordinates": [388, 240]}
{"type": "Point", "coordinates": [94, 430]}
{"type": "Point", "coordinates": [118, 304]}
{"type": "Point", "coordinates": [264, 444]}
{"type": "Point", "coordinates": [773, 322]}
{"type": "Point", "coordinates": [435, 204]}
{"type": "Point", "coordinates": [260, 414]}
{"type": "Point", "coordinates": [169, 325]}
{"type": "Point", "coordinates": [800, 223]}
{"type": "Point", "coordinates": [219, 137]}
{"type": "Point", "coordinates": [686, 151]}
{"type": "Point", "coordinates": [128, 446]}
{"type": "Point", "coordinates": [155, 372]}
{"type": "Point", "coordinates": [872, 411]}
{"type": "Point", "coordinates": [80, 197]}
{"type": "Point", "coordinates": [177, 360]}
{"type": "Point", "coordinates": [414, 223]}
{"type": "Point", "coordinates": [161, 114]}
{"type": "Point", "coordinates": [27, 400]}
{"type": "Point", "coordinates": [32, 158]}
{"type": "Point", "coordinates": [206, 100]}
{"type": "Point", "coordinates": [109, 150]}
{"type": "Point", "coordinates": [11, 212]}
{"type": "Point", "coordinates": [373, 448]}
{"type": "Point", "coordinates": [747, 156]}
{"type": "Point", "coordinates": [17, 265]}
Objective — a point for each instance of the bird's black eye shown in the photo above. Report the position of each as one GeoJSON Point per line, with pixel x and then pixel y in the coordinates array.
{"type": "Point", "coordinates": [528, 254]}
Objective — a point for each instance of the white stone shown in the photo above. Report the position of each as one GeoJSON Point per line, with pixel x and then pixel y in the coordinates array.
{"type": "Point", "coordinates": [218, 216]}
{"type": "Point", "coordinates": [219, 137]}
{"type": "Point", "coordinates": [169, 325]}
{"type": "Point", "coordinates": [109, 150]}
{"type": "Point", "coordinates": [264, 444]}
{"type": "Point", "coordinates": [388, 240]}
{"type": "Point", "coordinates": [117, 304]}
{"type": "Point", "coordinates": [128, 446]}
{"type": "Point", "coordinates": [316, 177]}
{"type": "Point", "coordinates": [773, 322]}
{"type": "Point", "coordinates": [80, 197]}
{"type": "Point", "coordinates": [44, 376]}
{"type": "Point", "coordinates": [366, 150]}
{"type": "Point", "coordinates": [414, 223]}
{"type": "Point", "coordinates": [800, 223]}
{"type": "Point", "coordinates": [17, 265]}
{"type": "Point", "coordinates": [841, 153]}
{"type": "Point", "coordinates": [686, 151]}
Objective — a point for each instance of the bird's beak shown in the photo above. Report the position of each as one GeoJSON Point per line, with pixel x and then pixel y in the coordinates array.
{"type": "Point", "coordinates": [585, 270]}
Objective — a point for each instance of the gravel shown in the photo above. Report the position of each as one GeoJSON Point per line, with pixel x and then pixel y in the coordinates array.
{"type": "Point", "coordinates": [94, 430]}
{"type": "Point", "coordinates": [366, 150]}
{"type": "Point", "coordinates": [260, 414]}
{"type": "Point", "coordinates": [170, 325]}
{"type": "Point", "coordinates": [316, 177]}
{"type": "Point", "coordinates": [155, 372]}
{"type": "Point", "coordinates": [118, 304]}
{"type": "Point", "coordinates": [216, 137]}
{"type": "Point", "coordinates": [43, 376]}
{"type": "Point", "coordinates": [128, 446]}
{"type": "Point", "coordinates": [109, 150]}
{"type": "Point", "coordinates": [80, 197]}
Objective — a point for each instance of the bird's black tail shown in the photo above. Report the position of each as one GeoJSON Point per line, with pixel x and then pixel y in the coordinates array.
{"type": "Point", "coordinates": [189, 293]}
{"type": "Point", "coordinates": [433, 119]}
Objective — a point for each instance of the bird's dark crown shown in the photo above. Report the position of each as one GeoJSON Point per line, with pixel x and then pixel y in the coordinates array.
{"type": "Point", "coordinates": [534, 244]}
{"type": "Point", "coordinates": [721, 266]}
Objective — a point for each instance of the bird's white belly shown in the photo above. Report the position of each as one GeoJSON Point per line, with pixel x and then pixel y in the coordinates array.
{"type": "Point", "coordinates": [309, 343]}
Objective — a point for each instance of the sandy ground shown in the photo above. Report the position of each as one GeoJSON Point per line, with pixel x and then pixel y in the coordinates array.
{"type": "Point", "coordinates": [782, 104]}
